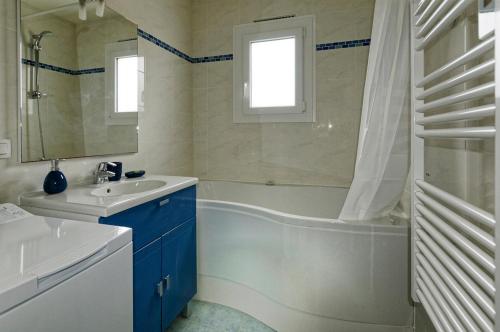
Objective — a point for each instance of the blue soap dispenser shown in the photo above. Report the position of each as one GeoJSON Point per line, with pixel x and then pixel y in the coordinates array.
{"type": "Point", "coordinates": [55, 182]}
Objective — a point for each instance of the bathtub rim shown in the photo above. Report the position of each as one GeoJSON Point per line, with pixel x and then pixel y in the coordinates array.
{"type": "Point", "coordinates": [303, 221]}
{"type": "Point", "coordinates": [205, 186]}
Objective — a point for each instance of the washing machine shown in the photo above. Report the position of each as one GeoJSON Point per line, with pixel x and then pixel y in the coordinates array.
{"type": "Point", "coordinates": [61, 275]}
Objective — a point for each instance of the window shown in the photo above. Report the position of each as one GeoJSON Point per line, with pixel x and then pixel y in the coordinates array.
{"type": "Point", "coordinates": [123, 83]}
{"type": "Point", "coordinates": [126, 84]}
{"type": "Point", "coordinates": [274, 71]}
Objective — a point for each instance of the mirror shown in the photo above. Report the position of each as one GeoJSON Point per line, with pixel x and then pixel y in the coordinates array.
{"type": "Point", "coordinates": [81, 81]}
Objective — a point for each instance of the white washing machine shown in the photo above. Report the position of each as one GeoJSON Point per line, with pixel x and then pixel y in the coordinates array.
{"type": "Point", "coordinates": [61, 275]}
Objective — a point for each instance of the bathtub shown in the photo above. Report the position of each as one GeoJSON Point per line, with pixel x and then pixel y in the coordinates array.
{"type": "Point", "coordinates": [278, 254]}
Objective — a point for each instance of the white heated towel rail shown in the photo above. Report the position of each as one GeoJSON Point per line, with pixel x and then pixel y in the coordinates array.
{"type": "Point", "coordinates": [453, 241]}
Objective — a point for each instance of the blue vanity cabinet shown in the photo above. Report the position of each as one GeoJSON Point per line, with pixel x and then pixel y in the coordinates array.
{"type": "Point", "coordinates": [151, 220]}
{"type": "Point", "coordinates": [164, 240]}
{"type": "Point", "coordinates": [178, 255]}
{"type": "Point", "coordinates": [147, 277]}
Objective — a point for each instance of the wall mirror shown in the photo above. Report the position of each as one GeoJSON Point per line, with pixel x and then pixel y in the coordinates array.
{"type": "Point", "coordinates": [81, 80]}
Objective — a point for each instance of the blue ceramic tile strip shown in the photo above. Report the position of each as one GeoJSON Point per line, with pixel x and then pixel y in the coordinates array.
{"type": "Point", "coordinates": [65, 70]}
{"type": "Point", "coordinates": [343, 44]}
{"type": "Point", "coordinates": [89, 71]}
{"type": "Point", "coordinates": [229, 57]}
{"type": "Point", "coordinates": [215, 58]}
{"type": "Point", "coordinates": [162, 44]}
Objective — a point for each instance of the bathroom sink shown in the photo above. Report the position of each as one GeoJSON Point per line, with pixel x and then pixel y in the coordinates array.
{"type": "Point", "coordinates": [128, 188]}
{"type": "Point", "coordinates": [103, 200]}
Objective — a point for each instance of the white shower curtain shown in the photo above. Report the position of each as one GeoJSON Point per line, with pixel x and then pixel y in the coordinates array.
{"type": "Point", "coordinates": [382, 161]}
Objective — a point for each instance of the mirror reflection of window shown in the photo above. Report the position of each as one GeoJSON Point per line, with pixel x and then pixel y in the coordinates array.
{"type": "Point", "coordinates": [81, 81]}
{"type": "Point", "coordinates": [123, 83]}
{"type": "Point", "coordinates": [127, 84]}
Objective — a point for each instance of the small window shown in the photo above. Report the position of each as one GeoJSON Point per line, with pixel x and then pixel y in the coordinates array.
{"type": "Point", "coordinates": [126, 82]}
{"type": "Point", "coordinates": [123, 83]}
{"type": "Point", "coordinates": [274, 71]}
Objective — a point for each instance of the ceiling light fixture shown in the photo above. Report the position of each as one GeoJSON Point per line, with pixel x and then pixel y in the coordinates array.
{"type": "Point", "coordinates": [99, 11]}
{"type": "Point", "coordinates": [82, 8]}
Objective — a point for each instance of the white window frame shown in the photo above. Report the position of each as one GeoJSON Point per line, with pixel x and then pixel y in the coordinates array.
{"type": "Point", "coordinates": [302, 29]}
{"type": "Point", "coordinates": [113, 51]}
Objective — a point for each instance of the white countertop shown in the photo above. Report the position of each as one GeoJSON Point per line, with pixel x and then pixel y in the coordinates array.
{"type": "Point", "coordinates": [78, 199]}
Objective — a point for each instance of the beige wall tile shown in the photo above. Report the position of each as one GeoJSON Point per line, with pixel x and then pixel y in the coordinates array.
{"type": "Point", "coordinates": [322, 153]}
{"type": "Point", "coordinates": [163, 149]}
{"type": "Point", "coordinates": [187, 125]}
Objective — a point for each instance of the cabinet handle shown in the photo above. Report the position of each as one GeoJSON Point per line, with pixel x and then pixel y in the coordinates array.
{"type": "Point", "coordinates": [165, 202]}
{"type": "Point", "coordinates": [159, 288]}
{"type": "Point", "coordinates": [166, 280]}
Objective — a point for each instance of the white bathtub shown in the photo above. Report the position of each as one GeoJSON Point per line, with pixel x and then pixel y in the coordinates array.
{"type": "Point", "coordinates": [278, 254]}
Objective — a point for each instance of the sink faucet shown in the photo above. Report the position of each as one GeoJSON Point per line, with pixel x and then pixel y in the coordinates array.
{"type": "Point", "coordinates": [101, 174]}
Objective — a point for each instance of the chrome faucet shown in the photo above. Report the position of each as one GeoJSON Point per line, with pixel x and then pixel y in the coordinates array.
{"type": "Point", "coordinates": [101, 174]}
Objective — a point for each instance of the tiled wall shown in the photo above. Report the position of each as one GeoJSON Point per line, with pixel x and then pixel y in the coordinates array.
{"type": "Point", "coordinates": [60, 110]}
{"type": "Point", "coordinates": [422, 320]}
{"type": "Point", "coordinates": [320, 153]}
{"type": "Point", "coordinates": [101, 138]}
{"type": "Point", "coordinates": [73, 76]}
{"type": "Point", "coordinates": [464, 168]}
{"type": "Point", "coordinates": [187, 127]}
{"type": "Point", "coordinates": [165, 139]}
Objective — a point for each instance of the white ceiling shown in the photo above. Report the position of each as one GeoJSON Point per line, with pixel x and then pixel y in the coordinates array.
{"type": "Point", "coordinates": [69, 14]}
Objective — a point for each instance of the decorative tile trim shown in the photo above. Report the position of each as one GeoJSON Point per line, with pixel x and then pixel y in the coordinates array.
{"type": "Point", "coordinates": [343, 44]}
{"type": "Point", "coordinates": [89, 71]}
{"type": "Point", "coordinates": [215, 58]}
{"type": "Point", "coordinates": [206, 59]}
{"type": "Point", "coordinates": [229, 57]}
{"type": "Point", "coordinates": [162, 44]}
{"type": "Point", "coordinates": [49, 67]}
{"type": "Point", "coordinates": [65, 70]}
{"type": "Point", "coordinates": [158, 42]}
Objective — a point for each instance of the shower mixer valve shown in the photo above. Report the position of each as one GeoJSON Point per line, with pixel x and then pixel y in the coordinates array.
{"type": "Point", "coordinates": [36, 94]}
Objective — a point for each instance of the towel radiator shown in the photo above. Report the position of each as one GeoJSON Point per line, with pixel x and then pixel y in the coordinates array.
{"type": "Point", "coordinates": [453, 241]}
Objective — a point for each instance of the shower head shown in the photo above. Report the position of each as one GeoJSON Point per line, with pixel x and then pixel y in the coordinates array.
{"type": "Point", "coordinates": [38, 38]}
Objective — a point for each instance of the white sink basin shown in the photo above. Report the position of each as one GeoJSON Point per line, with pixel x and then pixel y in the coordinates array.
{"type": "Point", "coordinates": [128, 188]}
{"type": "Point", "coordinates": [106, 199]}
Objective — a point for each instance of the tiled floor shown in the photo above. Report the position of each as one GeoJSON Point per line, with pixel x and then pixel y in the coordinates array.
{"type": "Point", "coordinates": [209, 317]}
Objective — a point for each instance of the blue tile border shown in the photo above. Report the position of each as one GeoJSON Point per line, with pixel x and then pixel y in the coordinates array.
{"type": "Point", "coordinates": [89, 71]}
{"type": "Point", "coordinates": [206, 59]}
{"type": "Point", "coordinates": [343, 44]}
{"type": "Point", "coordinates": [65, 70]}
{"type": "Point", "coordinates": [229, 57]}
{"type": "Point", "coordinates": [215, 58]}
{"type": "Point", "coordinates": [143, 34]}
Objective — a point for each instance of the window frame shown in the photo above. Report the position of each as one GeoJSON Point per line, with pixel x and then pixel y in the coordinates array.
{"type": "Point", "coordinates": [298, 34]}
{"type": "Point", "coordinates": [302, 29]}
{"type": "Point", "coordinates": [121, 49]}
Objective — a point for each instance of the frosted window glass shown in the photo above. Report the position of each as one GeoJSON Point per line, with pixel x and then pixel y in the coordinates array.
{"type": "Point", "coordinates": [272, 73]}
{"type": "Point", "coordinates": [127, 84]}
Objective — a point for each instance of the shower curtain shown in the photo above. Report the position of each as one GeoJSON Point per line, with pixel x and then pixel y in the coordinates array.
{"type": "Point", "coordinates": [382, 161]}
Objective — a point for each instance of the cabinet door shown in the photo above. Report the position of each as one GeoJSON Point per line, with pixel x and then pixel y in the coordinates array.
{"type": "Point", "coordinates": [179, 270]}
{"type": "Point", "coordinates": [147, 300]}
